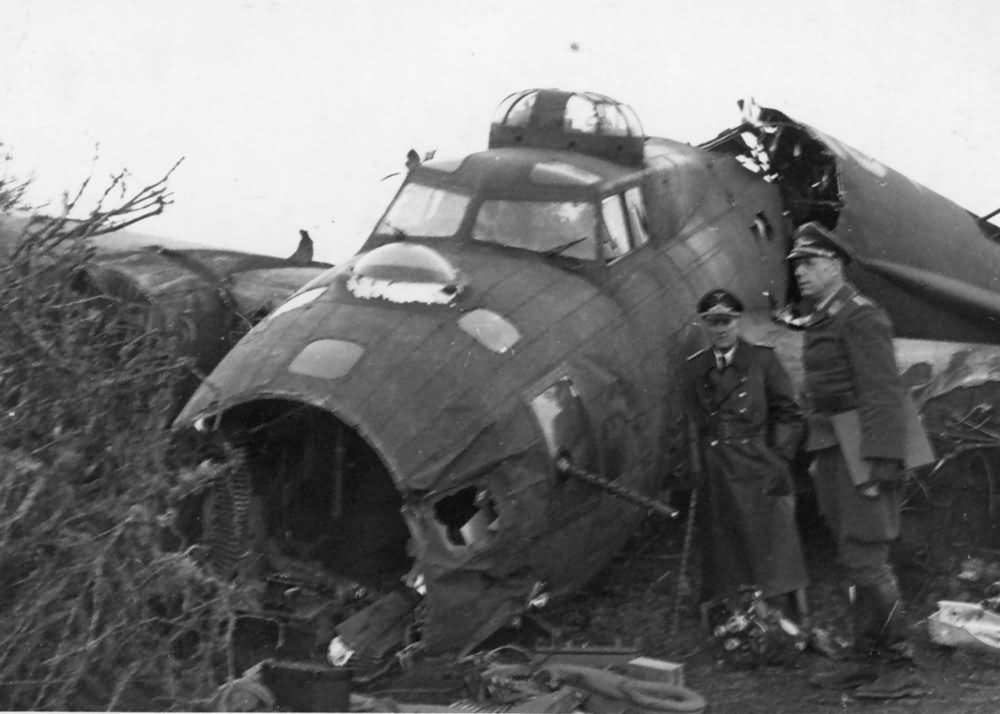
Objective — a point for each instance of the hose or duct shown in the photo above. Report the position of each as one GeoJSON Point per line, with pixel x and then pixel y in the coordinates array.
{"type": "Point", "coordinates": [246, 694]}
{"type": "Point", "coordinates": [651, 696]}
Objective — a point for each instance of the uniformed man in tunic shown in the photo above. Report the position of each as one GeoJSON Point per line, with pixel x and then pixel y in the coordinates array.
{"type": "Point", "coordinates": [746, 426]}
{"type": "Point", "coordinates": [854, 399]}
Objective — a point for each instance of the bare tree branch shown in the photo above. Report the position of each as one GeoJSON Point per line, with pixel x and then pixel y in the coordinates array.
{"type": "Point", "coordinates": [93, 612]}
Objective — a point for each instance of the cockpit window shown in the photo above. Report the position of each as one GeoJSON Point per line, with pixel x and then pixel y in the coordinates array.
{"type": "Point", "coordinates": [566, 228]}
{"type": "Point", "coordinates": [617, 243]}
{"type": "Point", "coordinates": [612, 122]}
{"type": "Point", "coordinates": [424, 211]}
{"type": "Point", "coordinates": [594, 114]}
{"type": "Point", "coordinates": [580, 115]}
{"type": "Point", "coordinates": [624, 223]}
{"type": "Point", "coordinates": [520, 113]}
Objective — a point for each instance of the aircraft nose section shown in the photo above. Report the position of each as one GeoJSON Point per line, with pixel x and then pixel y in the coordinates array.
{"type": "Point", "coordinates": [413, 408]}
{"type": "Point", "coordinates": [381, 348]}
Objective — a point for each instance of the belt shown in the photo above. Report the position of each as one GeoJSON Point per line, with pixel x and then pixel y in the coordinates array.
{"type": "Point", "coordinates": [724, 430]}
{"type": "Point", "coordinates": [831, 403]}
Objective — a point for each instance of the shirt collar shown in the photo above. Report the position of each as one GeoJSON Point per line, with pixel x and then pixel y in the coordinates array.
{"type": "Point", "coordinates": [727, 355]}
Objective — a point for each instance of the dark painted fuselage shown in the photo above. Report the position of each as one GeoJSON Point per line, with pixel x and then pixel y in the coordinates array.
{"type": "Point", "coordinates": [523, 304]}
{"type": "Point", "coordinates": [467, 396]}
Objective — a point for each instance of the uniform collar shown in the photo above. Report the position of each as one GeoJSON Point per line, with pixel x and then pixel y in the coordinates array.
{"type": "Point", "coordinates": [821, 305]}
{"type": "Point", "coordinates": [738, 355]}
{"type": "Point", "coordinates": [741, 354]}
{"type": "Point", "coordinates": [832, 304]}
{"type": "Point", "coordinates": [835, 303]}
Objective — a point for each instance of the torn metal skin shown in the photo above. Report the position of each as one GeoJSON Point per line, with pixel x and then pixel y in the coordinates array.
{"type": "Point", "coordinates": [401, 416]}
{"type": "Point", "coordinates": [930, 263]}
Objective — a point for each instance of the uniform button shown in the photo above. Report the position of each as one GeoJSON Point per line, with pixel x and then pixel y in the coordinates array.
{"type": "Point", "coordinates": [714, 442]}
{"type": "Point", "coordinates": [741, 394]}
{"type": "Point", "coordinates": [744, 441]}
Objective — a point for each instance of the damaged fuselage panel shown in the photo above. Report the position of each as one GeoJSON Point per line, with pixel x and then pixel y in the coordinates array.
{"type": "Point", "coordinates": [929, 262]}
{"type": "Point", "coordinates": [406, 419]}
{"type": "Point", "coordinates": [389, 445]}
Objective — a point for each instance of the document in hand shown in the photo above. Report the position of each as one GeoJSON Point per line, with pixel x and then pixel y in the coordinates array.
{"type": "Point", "coordinates": [847, 426]}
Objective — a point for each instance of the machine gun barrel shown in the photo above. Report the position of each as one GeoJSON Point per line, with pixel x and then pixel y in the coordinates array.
{"type": "Point", "coordinates": [565, 466]}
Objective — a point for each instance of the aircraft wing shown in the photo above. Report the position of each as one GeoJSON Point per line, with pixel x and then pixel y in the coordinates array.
{"type": "Point", "coordinates": [209, 296]}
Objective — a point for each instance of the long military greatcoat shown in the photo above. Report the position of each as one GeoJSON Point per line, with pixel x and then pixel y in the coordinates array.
{"type": "Point", "coordinates": [747, 425]}
{"type": "Point", "coordinates": [850, 364]}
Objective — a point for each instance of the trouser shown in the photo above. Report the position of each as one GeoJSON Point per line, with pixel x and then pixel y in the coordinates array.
{"type": "Point", "coordinates": [864, 528]}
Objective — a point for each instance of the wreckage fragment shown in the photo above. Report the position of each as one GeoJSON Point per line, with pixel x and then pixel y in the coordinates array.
{"type": "Point", "coordinates": [749, 633]}
{"type": "Point", "coordinates": [956, 503]}
{"type": "Point", "coordinates": [377, 632]}
{"type": "Point", "coordinates": [965, 625]}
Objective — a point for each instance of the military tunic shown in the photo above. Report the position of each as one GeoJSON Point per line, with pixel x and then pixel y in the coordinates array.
{"type": "Point", "coordinates": [748, 426]}
{"type": "Point", "coordinates": [849, 365]}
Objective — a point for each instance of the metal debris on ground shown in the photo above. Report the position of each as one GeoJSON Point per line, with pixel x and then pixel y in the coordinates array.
{"type": "Point", "coordinates": [614, 680]}
{"type": "Point", "coordinates": [506, 679]}
{"type": "Point", "coordinates": [965, 625]}
{"type": "Point", "coordinates": [746, 632]}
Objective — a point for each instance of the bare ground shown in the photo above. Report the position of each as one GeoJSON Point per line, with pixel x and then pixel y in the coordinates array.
{"type": "Point", "coordinates": [632, 601]}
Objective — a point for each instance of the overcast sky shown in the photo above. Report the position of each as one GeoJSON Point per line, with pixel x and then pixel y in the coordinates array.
{"type": "Point", "coordinates": [289, 112]}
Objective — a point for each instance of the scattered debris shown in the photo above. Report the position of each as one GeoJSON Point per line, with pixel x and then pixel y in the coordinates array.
{"type": "Point", "coordinates": [965, 625]}
{"type": "Point", "coordinates": [374, 634]}
{"type": "Point", "coordinates": [507, 678]}
{"type": "Point", "coordinates": [656, 670]}
{"type": "Point", "coordinates": [534, 681]}
{"type": "Point", "coordinates": [589, 655]}
{"type": "Point", "coordinates": [290, 686]}
{"type": "Point", "coordinates": [749, 633]}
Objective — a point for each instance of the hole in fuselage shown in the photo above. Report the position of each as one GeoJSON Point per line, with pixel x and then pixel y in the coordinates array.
{"type": "Point", "coordinates": [321, 495]}
{"type": "Point", "coordinates": [454, 511]}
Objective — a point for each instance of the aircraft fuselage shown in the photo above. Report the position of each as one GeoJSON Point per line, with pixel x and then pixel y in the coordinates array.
{"type": "Point", "coordinates": [467, 345]}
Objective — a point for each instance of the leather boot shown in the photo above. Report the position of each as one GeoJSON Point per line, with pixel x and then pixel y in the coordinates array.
{"type": "Point", "coordinates": [849, 674]}
{"type": "Point", "coordinates": [863, 665]}
{"type": "Point", "coordinates": [784, 603]}
{"type": "Point", "coordinates": [866, 620]}
{"type": "Point", "coordinates": [897, 677]}
{"type": "Point", "coordinates": [891, 636]}
{"type": "Point", "coordinates": [895, 681]}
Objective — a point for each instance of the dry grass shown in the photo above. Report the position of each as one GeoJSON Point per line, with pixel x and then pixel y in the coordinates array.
{"type": "Point", "coordinates": [94, 611]}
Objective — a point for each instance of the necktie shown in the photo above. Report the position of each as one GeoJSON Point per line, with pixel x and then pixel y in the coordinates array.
{"type": "Point", "coordinates": [720, 360]}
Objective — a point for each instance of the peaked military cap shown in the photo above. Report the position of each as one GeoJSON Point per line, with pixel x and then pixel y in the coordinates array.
{"type": "Point", "coordinates": [719, 303]}
{"type": "Point", "coordinates": [811, 240]}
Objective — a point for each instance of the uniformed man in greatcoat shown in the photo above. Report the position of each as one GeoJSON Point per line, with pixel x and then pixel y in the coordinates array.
{"type": "Point", "coordinates": [854, 400]}
{"type": "Point", "coordinates": [746, 427]}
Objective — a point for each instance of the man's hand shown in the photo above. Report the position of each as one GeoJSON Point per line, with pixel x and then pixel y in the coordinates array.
{"type": "Point", "coordinates": [885, 470]}
{"type": "Point", "coordinates": [869, 490]}
{"type": "Point", "coordinates": [778, 484]}
{"type": "Point", "coordinates": [881, 471]}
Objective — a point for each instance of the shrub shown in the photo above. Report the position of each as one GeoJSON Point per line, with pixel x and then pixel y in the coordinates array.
{"type": "Point", "coordinates": [94, 610]}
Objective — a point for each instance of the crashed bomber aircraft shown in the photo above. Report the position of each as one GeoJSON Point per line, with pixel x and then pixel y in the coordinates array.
{"type": "Point", "coordinates": [402, 414]}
